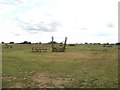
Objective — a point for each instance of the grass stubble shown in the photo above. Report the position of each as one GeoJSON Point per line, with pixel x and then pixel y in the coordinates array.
{"type": "Point", "coordinates": [82, 66]}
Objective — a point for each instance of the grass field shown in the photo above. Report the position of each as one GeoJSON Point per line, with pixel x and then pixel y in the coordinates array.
{"type": "Point", "coordinates": [81, 66]}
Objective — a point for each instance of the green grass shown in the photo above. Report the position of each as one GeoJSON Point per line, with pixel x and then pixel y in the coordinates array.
{"type": "Point", "coordinates": [82, 66]}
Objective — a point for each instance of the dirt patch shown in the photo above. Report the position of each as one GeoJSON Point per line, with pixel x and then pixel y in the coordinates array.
{"type": "Point", "coordinates": [44, 80]}
{"type": "Point", "coordinates": [9, 79]}
{"type": "Point", "coordinates": [17, 85]}
{"type": "Point", "coordinates": [82, 57]}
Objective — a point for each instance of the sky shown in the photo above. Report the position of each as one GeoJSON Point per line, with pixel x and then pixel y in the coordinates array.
{"type": "Point", "coordinates": [92, 21]}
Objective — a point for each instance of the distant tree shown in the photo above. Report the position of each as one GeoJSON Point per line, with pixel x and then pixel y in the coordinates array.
{"type": "Point", "coordinates": [72, 44]}
{"type": "Point", "coordinates": [25, 42]}
{"type": "Point", "coordinates": [118, 43]}
{"type": "Point", "coordinates": [90, 43]}
{"type": "Point", "coordinates": [86, 43]}
{"type": "Point", "coordinates": [107, 43]}
{"type": "Point", "coordinates": [61, 43]}
{"type": "Point", "coordinates": [29, 42]}
{"type": "Point", "coordinates": [11, 42]}
{"type": "Point", "coordinates": [40, 43]}
{"type": "Point", "coordinates": [112, 44]}
{"type": "Point", "coordinates": [53, 42]}
{"type": "Point", "coordinates": [2, 42]}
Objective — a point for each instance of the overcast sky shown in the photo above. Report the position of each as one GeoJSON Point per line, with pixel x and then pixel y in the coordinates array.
{"type": "Point", "coordinates": [80, 20]}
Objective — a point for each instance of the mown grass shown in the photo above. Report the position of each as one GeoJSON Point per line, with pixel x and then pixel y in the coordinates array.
{"type": "Point", "coordinates": [82, 66]}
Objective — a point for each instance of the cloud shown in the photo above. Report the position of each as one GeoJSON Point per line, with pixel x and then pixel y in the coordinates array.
{"type": "Point", "coordinates": [42, 26]}
{"type": "Point", "coordinates": [110, 25]}
{"type": "Point", "coordinates": [38, 18]}
{"type": "Point", "coordinates": [7, 8]}
{"type": "Point", "coordinates": [84, 29]}
{"type": "Point", "coordinates": [12, 1]}
{"type": "Point", "coordinates": [103, 34]}
{"type": "Point", "coordinates": [17, 34]}
{"type": "Point", "coordinates": [19, 1]}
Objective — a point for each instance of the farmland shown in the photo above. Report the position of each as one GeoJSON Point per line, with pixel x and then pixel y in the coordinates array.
{"type": "Point", "coordinates": [80, 66]}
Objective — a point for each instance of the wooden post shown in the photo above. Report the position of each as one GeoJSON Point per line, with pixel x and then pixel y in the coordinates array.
{"type": "Point", "coordinates": [65, 44]}
{"type": "Point", "coordinates": [52, 43]}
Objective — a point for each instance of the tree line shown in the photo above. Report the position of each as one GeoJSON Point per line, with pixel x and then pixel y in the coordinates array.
{"type": "Point", "coordinates": [27, 42]}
